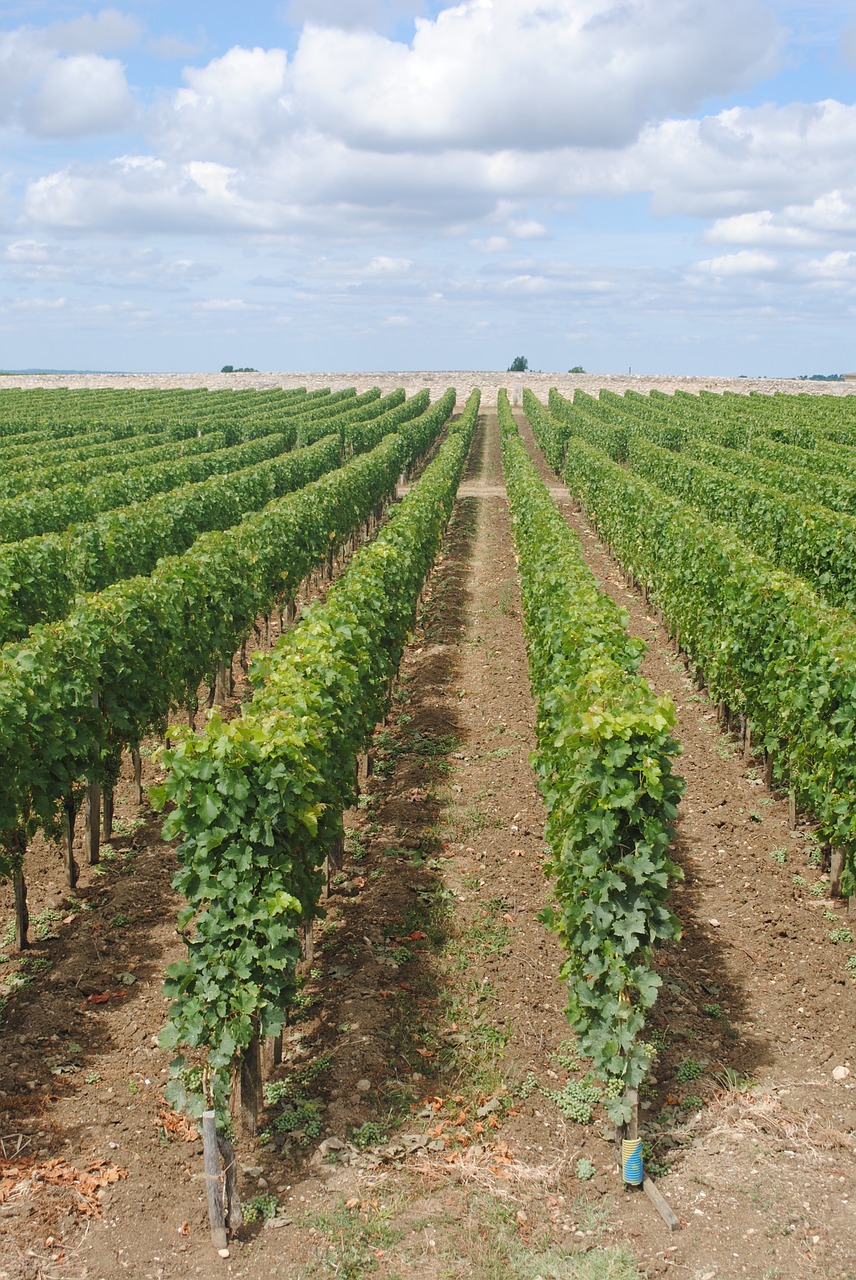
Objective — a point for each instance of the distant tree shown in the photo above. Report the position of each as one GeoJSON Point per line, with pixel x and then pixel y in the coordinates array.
{"type": "Point", "coordinates": [518, 365]}
{"type": "Point", "coordinates": [577, 369]}
{"type": "Point", "coordinates": [228, 368]}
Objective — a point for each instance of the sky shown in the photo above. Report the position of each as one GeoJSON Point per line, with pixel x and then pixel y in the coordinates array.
{"type": "Point", "coordinates": [662, 186]}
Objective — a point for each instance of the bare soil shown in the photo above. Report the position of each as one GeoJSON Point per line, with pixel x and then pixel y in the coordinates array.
{"type": "Point", "coordinates": [416, 1135]}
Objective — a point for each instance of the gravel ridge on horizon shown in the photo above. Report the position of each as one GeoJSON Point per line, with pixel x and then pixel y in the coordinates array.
{"type": "Point", "coordinates": [464, 380]}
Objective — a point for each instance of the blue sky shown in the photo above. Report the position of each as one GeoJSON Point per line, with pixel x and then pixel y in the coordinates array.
{"type": "Point", "coordinates": [662, 185]}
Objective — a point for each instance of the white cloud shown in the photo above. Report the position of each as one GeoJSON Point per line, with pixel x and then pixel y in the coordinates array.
{"type": "Point", "coordinates": [145, 268]}
{"type": "Point", "coordinates": [837, 268]}
{"type": "Point", "coordinates": [747, 262]}
{"type": "Point", "coordinates": [769, 176]}
{"type": "Point", "coordinates": [389, 266]}
{"type": "Point", "coordinates": [572, 73]}
{"type": "Point", "coordinates": [347, 14]}
{"type": "Point", "coordinates": [493, 244]}
{"type": "Point", "coordinates": [746, 157]}
{"type": "Point", "coordinates": [82, 94]}
{"type": "Point", "coordinates": [227, 304]}
{"type": "Point", "coordinates": [142, 193]}
{"type": "Point", "coordinates": [233, 109]}
{"type": "Point", "coordinates": [38, 304]}
{"type": "Point", "coordinates": [109, 29]}
{"type": "Point", "coordinates": [829, 218]}
{"type": "Point", "coordinates": [54, 81]}
{"type": "Point", "coordinates": [27, 251]}
{"type": "Point", "coordinates": [527, 229]}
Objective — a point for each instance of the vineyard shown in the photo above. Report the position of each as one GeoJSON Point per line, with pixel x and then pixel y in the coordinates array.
{"type": "Point", "coordinates": [401, 798]}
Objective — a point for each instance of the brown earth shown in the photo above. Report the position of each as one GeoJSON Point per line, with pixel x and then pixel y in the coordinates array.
{"type": "Point", "coordinates": [416, 1136]}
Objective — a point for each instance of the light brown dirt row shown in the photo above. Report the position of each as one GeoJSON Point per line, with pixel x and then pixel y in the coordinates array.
{"type": "Point", "coordinates": [765, 1177]}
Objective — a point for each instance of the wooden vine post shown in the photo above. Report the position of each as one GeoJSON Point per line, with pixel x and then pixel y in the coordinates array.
{"type": "Point", "coordinates": [837, 861]}
{"type": "Point", "coordinates": [92, 816]}
{"type": "Point", "coordinates": [335, 859]}
{"type": "Point", "coordinates": [137, 764]}
{"type": "Point", "coordinates": [107, 813]}
{"type": "Point", "coordinates": [214, 1183]}
{"type": "Point", "coordinates": [92, 824]}
{"type": "Point", "coordinates": [768, 770]}
{"type": "Point", "coordinates": [272, 1052]}
{"type": "Point", "coordinates": [251, 1092]}
{"type": "Point", "coordinates": [72, 871]}
{"type": "Point", "coordinates": [627, 1141]}
{"type": "Point", "coordinates": [15, 846]}
{"type": "Point", "coordinates": [220, 685]}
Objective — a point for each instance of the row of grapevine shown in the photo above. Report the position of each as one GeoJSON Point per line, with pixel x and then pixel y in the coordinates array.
{"type": "Point", "coordinates": [62, 463]}
{"type": "Point", "coordinates": [604, 766]}
{"type": "Point", "coordinates": [67, 414]}
{"type": "Point", "coordinates": [681, 421]}
{"type": "Point", "coordinates": [48, 510]}
{"type": "Point", "coordinates": [75, 692]}
{"type": "Point", "coordinates": [800, 476]}
{"type": "Point", "coordinates": [769, 648]}
{"type": "Point", "coordinates": [20, 480]}
{"type": "Point", "coordinates": [259, 800]}
{"type": "Point", "coordinates": [771, 507]}
{"type": "Point", "coordinates": [804, 538]}
{"type": "Point", "coordinates": [40, 576]}
{"type": "Point", "coordinates": [20, 463]}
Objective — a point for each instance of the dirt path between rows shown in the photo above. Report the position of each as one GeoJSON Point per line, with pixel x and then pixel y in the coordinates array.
{"type": "Point", "coordinates": [425, 1118]}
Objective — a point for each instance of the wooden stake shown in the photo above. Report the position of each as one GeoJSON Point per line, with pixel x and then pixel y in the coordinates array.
{"type": "Point", "coordinates": [837, 860]}
{"type": "Point", "coordinates": [107, 814]}
{"type": "Point", "coordinates": [136, 761]}
{"type": "Point", "coordinates": [336, 855]}
{"type": "Point", "coordinates": [220, 681]}
{"type": "Point", "coordinates": [72, 871]}
{"type": "Point", "coordinates": [768, 770]}
{"type": "Point", "coordinates": [747, 743]}
{"type": "Point", "coordinates": [251, 1087]}
{"type": "Point", "coordinates": [234, 1213]}
{"type": "Point", "coordinates": [92, 823]}
{"type": "Point", "coordinates": [272, 1052]}
{"type": "Point", "coordinates": [22, 915]}
{"type": "Point", "coordinates": [662, 1205]}
{"type": "Point", "coordinates": [308, 942]}
{"type": "Point", "coordinates": [213, 1181]}
{"type": "Point", "coordinates": [792, 809]}
{"type": "Point", "coordinates": [633, 1123]}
